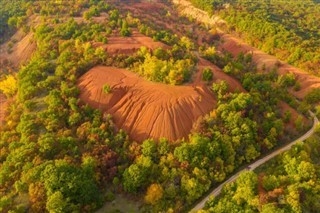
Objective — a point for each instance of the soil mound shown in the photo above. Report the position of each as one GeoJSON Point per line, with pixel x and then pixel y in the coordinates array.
{"type": "Point", "coordinates": [235, 46]}
{"type": "Point", "coordinates": [21, 51]}
{"type": "Point", "coordinates": [129, 45]}
{"type": "Point", "coordinates": [3, 107]}
{"type": "Point", "coordinates": [146, 109]}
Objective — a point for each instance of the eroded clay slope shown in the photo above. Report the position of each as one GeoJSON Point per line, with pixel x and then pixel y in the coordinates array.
{"type": "Point", "coordinates": [146, 109]}
{"type": "Point", "coordinates": [129, 45]}
{"type": "Point", "coordinates": [306, 80]}
{"type": "Point", "coordinates": [22, 50]}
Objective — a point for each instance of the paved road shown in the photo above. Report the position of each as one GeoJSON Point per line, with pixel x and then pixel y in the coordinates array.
{"type": "Point", "coordinates": [257, 163]}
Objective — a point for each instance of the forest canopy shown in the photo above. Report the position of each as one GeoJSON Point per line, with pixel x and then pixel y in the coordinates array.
{"type": "Point", "coordinates": [58, 154]}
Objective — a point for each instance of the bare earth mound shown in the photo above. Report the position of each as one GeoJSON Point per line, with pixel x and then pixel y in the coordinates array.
{"type": "Point", "coordinates": [146, 109]}
{"type": "Point", "coordinates": [129, 45]}
{"type": "Point", "coordinates": [3, 106]}
{"type": "Point", "coordinates": [21, 51]}
{"type": "Point", "coordinates": [235, 46]}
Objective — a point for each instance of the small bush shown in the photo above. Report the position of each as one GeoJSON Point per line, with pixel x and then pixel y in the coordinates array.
{"type": "Point", "coordinates": [109, 196]}
{"type": "Point", "coordinates": [125, 32]}
{"type": "Point", "coordinates": [207, 74]}
{"type": "Point", "coordinates": [106, 88]}
{"type": "Point", "coordinates": [313, 96]}
{"type": "Point", "coordinates": [287, 116]}
{"type": "Point", "coordinates": [297, 86]}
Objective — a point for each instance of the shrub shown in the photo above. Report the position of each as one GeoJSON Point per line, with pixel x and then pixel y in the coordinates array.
{"type": "Point", "coordinates": [313, 96]}
{"type": "Point", "coordinates": [106, 88]}
{"type": "Point", "coordinates": [207, 74]}
{"type": "Point", "coordinates": [287, 116]}
{"type": "Point", "coordinates": [9, 86]}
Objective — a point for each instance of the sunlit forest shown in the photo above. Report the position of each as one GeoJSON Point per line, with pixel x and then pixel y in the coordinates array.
{"type": "Point", "coordinates": [69, 144]}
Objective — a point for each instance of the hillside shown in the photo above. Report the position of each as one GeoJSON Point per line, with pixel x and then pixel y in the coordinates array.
{"type": "Point", "coordinates": [149, 110]}
{"type": "Point", "coordinates": [129, 45]}
{"type": "Point", "coordinates": [235, 45]}
{"type": "Point", "coordinates": [268, 184]}
{"type": "Point", "coordinates": [144, 109]}
{"type": "Point", "coordinates": [286, 29]}
{"type": "Point", "coordinates": [307, 82]}
{"type": "Point", "coordinates": [132, 106]}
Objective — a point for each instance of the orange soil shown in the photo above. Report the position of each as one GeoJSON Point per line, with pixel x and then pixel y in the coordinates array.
{"type": "Point", "coordinates": [129, 45]}
{"type": "Point", "coordinates": [21, 51]}
{"type": "Point", "coordinates": [146, 109]}
{"type": "Point", "coordinates": [25, 46]}
{"type": "Point", "coordinates": [3, 107]}
{"type": "Point", "coordinates": [235, 46]}
{"type": "Point", "coordinates": [153, 13]}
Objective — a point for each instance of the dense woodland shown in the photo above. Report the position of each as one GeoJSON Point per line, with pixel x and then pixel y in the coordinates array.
{"type": "Point", "coordinates": [287, 29]}
{"type": "Point", "coordinates": [57, 154]}
{"type": "Point", "coordinates": [288, 183]}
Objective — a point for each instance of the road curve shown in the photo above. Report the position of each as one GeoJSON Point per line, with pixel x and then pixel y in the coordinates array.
{"type": "Point", "coordinates": [257, 163]}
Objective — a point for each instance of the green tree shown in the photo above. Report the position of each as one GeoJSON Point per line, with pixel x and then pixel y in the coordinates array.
{"type": "Point", "coordinates": [133, 178]}
{"type": "Point", "coordinates": [207, 74]}
{"type": "Point", "coordinates": [125, 30]}
{"type": "Point", "coordinates": [270, 182]}
{"type": "Point", "coordinates": [57, 203]}
{"type": "Point", "coordinates": [106, 88]}
{"type": "Point", "coordinates": [149, 148]}
{"type": "Point", "coordinates": [299, 123]}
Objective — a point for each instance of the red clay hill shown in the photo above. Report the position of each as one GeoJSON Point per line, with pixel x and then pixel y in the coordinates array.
{"type": "Point", "coordinates": [146, 109]}
{"type": "Point", "coordinates": [236, 45]}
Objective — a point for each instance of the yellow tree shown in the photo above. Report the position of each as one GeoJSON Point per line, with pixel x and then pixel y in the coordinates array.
{"type": "Point", "coordinates": [154, 194]}
{"type": "Point", "coordinates": [9, 86]}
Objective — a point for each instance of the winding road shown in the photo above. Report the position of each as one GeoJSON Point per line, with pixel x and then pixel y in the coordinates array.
{"type": "Point", "coordinates": [257, 163]}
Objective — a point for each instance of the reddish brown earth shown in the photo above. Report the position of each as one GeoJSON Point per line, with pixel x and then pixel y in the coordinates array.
{"type": "Point", "coordinates": [24, 46]}
{"type": "Point", "coordinates": [155, 14]}
{"type": "Point", "coordinates": [3, 107]}
{"type": "Point", "coordinates": [22, 50]}
{"type": "Point", "coordinates": [129, 45]}
{"type": "Point", "coordinates": [145, 109]}
{"type": "Point", "coordinates": [235, 46]}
